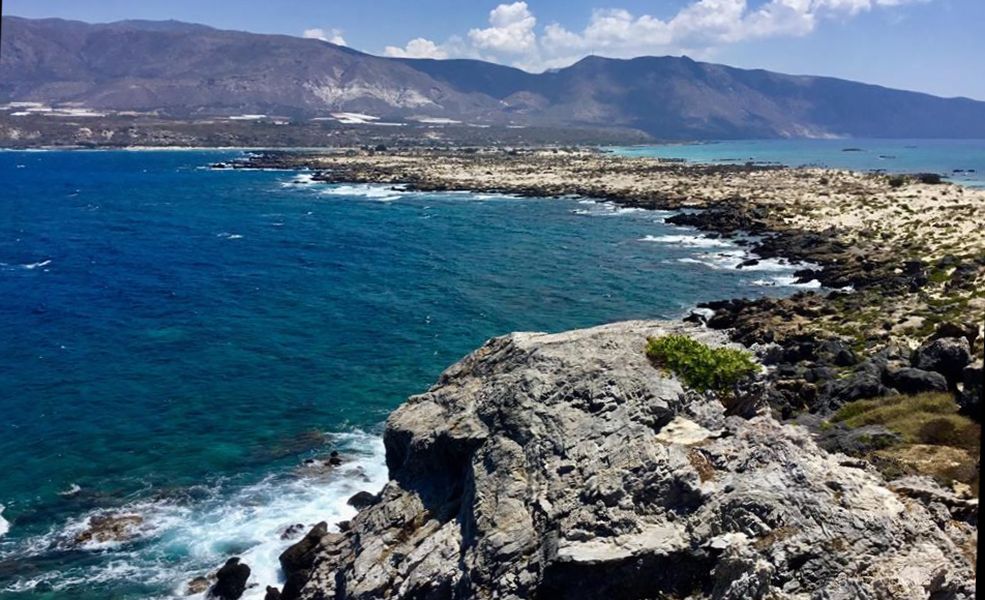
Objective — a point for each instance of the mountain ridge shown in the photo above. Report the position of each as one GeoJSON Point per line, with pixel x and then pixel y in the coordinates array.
{"type": "Point", "coordinates": [186, 70]}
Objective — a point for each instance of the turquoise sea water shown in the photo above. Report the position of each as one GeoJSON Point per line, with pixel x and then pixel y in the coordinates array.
{"type": "Point", "coordinates": [175, 341]}
{"type": "Point", "coordinates": [962, 161]}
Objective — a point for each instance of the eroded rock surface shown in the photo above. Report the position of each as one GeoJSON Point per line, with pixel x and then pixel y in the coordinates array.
{"type": "Point", "coordinates": [566, 466]}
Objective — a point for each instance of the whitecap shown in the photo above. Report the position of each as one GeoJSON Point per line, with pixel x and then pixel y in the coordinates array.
{"type": "Point", "coordinates": [229, 236]}
{"type": "Point", "coordinates": [602, 208]}
{"type": "Point", "coordinates": [32, 266]}
{"type": "Point", "coordinates": [4, 523]}
{"type": "Point", "coordinates": [696, 241]}
{"type": "Point", "coordinates": [72, 489]}
{"type": "Point", "coordinates": [383, 193]}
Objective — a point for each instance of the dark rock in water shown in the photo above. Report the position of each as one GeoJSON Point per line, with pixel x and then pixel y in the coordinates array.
{"type": "Point", "coordinates": [914, 381]}
{"type": "Point", "coordinates": [301, 555]}
{"type": "Point", "coordinates": [852, 150]}
{"type": "Point", "coordinates": [230, 580]}
{"type": "Point", "coordinates": [272, 594]}
{"type": "Point", "coordinates": [197, 585]}
{"type": "Point", "coordinates": [110, 528]}
{"type": "Point", "coordinates": [947, 356]}
{"type": "Point", "coordinates": [970, 398]}
{"type": "Point", "coordinates": [361, 500]}
{"type": "Point", "coordinates": [292, 531]}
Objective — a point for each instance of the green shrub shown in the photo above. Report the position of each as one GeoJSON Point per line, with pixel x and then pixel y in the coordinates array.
{"type": "Point", "coordinates": [701, 367]}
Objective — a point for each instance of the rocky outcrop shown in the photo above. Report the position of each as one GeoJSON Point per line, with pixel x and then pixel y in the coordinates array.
{"type": "Point", "coordinates": [567, 466]}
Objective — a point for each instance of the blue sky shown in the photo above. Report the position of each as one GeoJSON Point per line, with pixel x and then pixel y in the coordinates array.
{"type": "Point", "coordinates": [926, 45]}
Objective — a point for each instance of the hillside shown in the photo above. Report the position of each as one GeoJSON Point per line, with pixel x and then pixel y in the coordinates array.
{"type": "Point", "coordinates": [180, 70]}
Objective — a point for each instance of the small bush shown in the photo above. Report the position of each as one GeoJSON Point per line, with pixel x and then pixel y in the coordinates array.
{"type": "Point", "coordinates": [701, 367]}
{"type": "Point", "coordinates": [897, 181]}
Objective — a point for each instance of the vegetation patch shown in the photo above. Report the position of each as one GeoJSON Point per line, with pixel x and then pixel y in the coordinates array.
{"type": "Point", "coordinates": [701, 367]}
{"type": "Point", "coordinates": [938, 441]}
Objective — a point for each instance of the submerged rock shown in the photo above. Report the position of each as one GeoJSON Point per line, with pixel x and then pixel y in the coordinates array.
{"type": "Point", "coordinates": [110, 528]}
{"type": "Point", "coordinates": [567, 466]}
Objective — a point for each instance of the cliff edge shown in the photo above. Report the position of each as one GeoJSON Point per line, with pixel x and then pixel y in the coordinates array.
{"type": "Point", "coordinates": [567, 466]}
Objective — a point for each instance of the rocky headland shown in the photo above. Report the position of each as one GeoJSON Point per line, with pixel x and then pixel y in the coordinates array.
{"type": "Point", "coordinates": [571, 466]}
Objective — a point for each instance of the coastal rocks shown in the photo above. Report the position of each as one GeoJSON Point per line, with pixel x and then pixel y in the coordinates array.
{"type": "Point", "coordinates": [566, 466]}
{"type": "Point", "coordinates": [230, 580]}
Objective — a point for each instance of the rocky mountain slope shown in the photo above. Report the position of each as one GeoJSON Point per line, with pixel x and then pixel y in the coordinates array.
{"type": "Point", "coordinates": [185, 70]}
{"type": "Point", "coordinates": [568, 466]}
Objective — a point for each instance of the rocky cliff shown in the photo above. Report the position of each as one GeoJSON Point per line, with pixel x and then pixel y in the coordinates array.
{"type": "Point", "coordinates": [567, 466]}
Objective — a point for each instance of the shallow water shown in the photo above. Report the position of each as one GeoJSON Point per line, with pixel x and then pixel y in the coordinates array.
{"type": "Point", "coordinates": [175, 341]}
{"type": "Point", "coordinates": [962, 161]}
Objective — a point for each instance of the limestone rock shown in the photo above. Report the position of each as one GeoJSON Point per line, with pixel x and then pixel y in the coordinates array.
{"type": "Point", "coordinates": [567, 466]}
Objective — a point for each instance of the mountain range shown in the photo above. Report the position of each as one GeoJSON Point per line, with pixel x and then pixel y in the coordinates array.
{"type": "Point", "coordinates": [183, 70]}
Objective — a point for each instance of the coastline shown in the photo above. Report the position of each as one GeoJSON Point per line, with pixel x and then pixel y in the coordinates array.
{"type": "Point", "coordinates": [821, 348]}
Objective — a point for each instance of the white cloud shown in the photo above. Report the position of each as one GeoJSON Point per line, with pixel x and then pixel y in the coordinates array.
{"type": "Point", "coordinates": [511, 30]}
{"type": "Point", "coordinates": [333, 36]}
{"type": "Point", "coordinates": [699, 28]}
{"type": "Point", "coordinates": [417, 48]}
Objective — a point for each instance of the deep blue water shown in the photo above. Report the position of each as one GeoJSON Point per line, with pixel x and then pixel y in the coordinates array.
{"type": "Point", "coordinates": [175, 340]}
{"type": "Point", "coordinates": [962, 161]}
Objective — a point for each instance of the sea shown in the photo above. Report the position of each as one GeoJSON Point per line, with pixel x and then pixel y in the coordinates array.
{"type": "Point", "coordinates": [189, 345]}
{"type": "Point", "coordinates": [958, 161]}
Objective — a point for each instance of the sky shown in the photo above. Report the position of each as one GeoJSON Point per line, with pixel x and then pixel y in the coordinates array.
{"type": "Point", "coordinates": [933, 46]}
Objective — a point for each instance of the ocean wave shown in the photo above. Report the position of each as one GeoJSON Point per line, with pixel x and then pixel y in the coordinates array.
{"type": "Point", "coordinates": [178, 540]}
{"type": "Point", "coordinates": [697, 241]}
{"type": "Point", "coordinates": [603, 208]}
{"type": "Point", "coordinates": [4, 523]}
{"type": "Point", "coordinates": [229, 236]}
{"type": "Point", "coordinates": [301, 179]}
{"type": "Point", "coordinates": [37, 265]}
{"type": "Point", "coordinates": [383, 193]}
{"type": "Point", "coordinates": [787, 281]}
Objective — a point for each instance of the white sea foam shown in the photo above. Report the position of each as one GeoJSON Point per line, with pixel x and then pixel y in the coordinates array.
{"type": "Point", "coordinates": [696, 241]}
{"type": "Point", "coordinates": [383, 193]}
{"type": "Point", "coordinates": [180, 540]}
{"type": "Point", "coordinates": [4, 524]}
{"type": "Point", "coordinates": [301, 179]}
{"type": "Point", "coordinates": [600, 208]}
{"type": "Point", "coordinates": [229, 236]}
{"type": "Point", "coordinates": [32, 266]}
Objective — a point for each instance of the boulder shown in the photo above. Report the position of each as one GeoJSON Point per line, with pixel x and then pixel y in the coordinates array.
{"type": "Point", "coordinates": [361, 500]}
{"type": "Point", "coordinates": [230, 580]}
{"type": "Point", "coordinates": [914, 381]}
{"type": "Point", "coordinates": [567, 466]}
{"type": "Point", "coordinates": [970, 398]}
{"type": "Point", "coordinates": [947, 356]}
